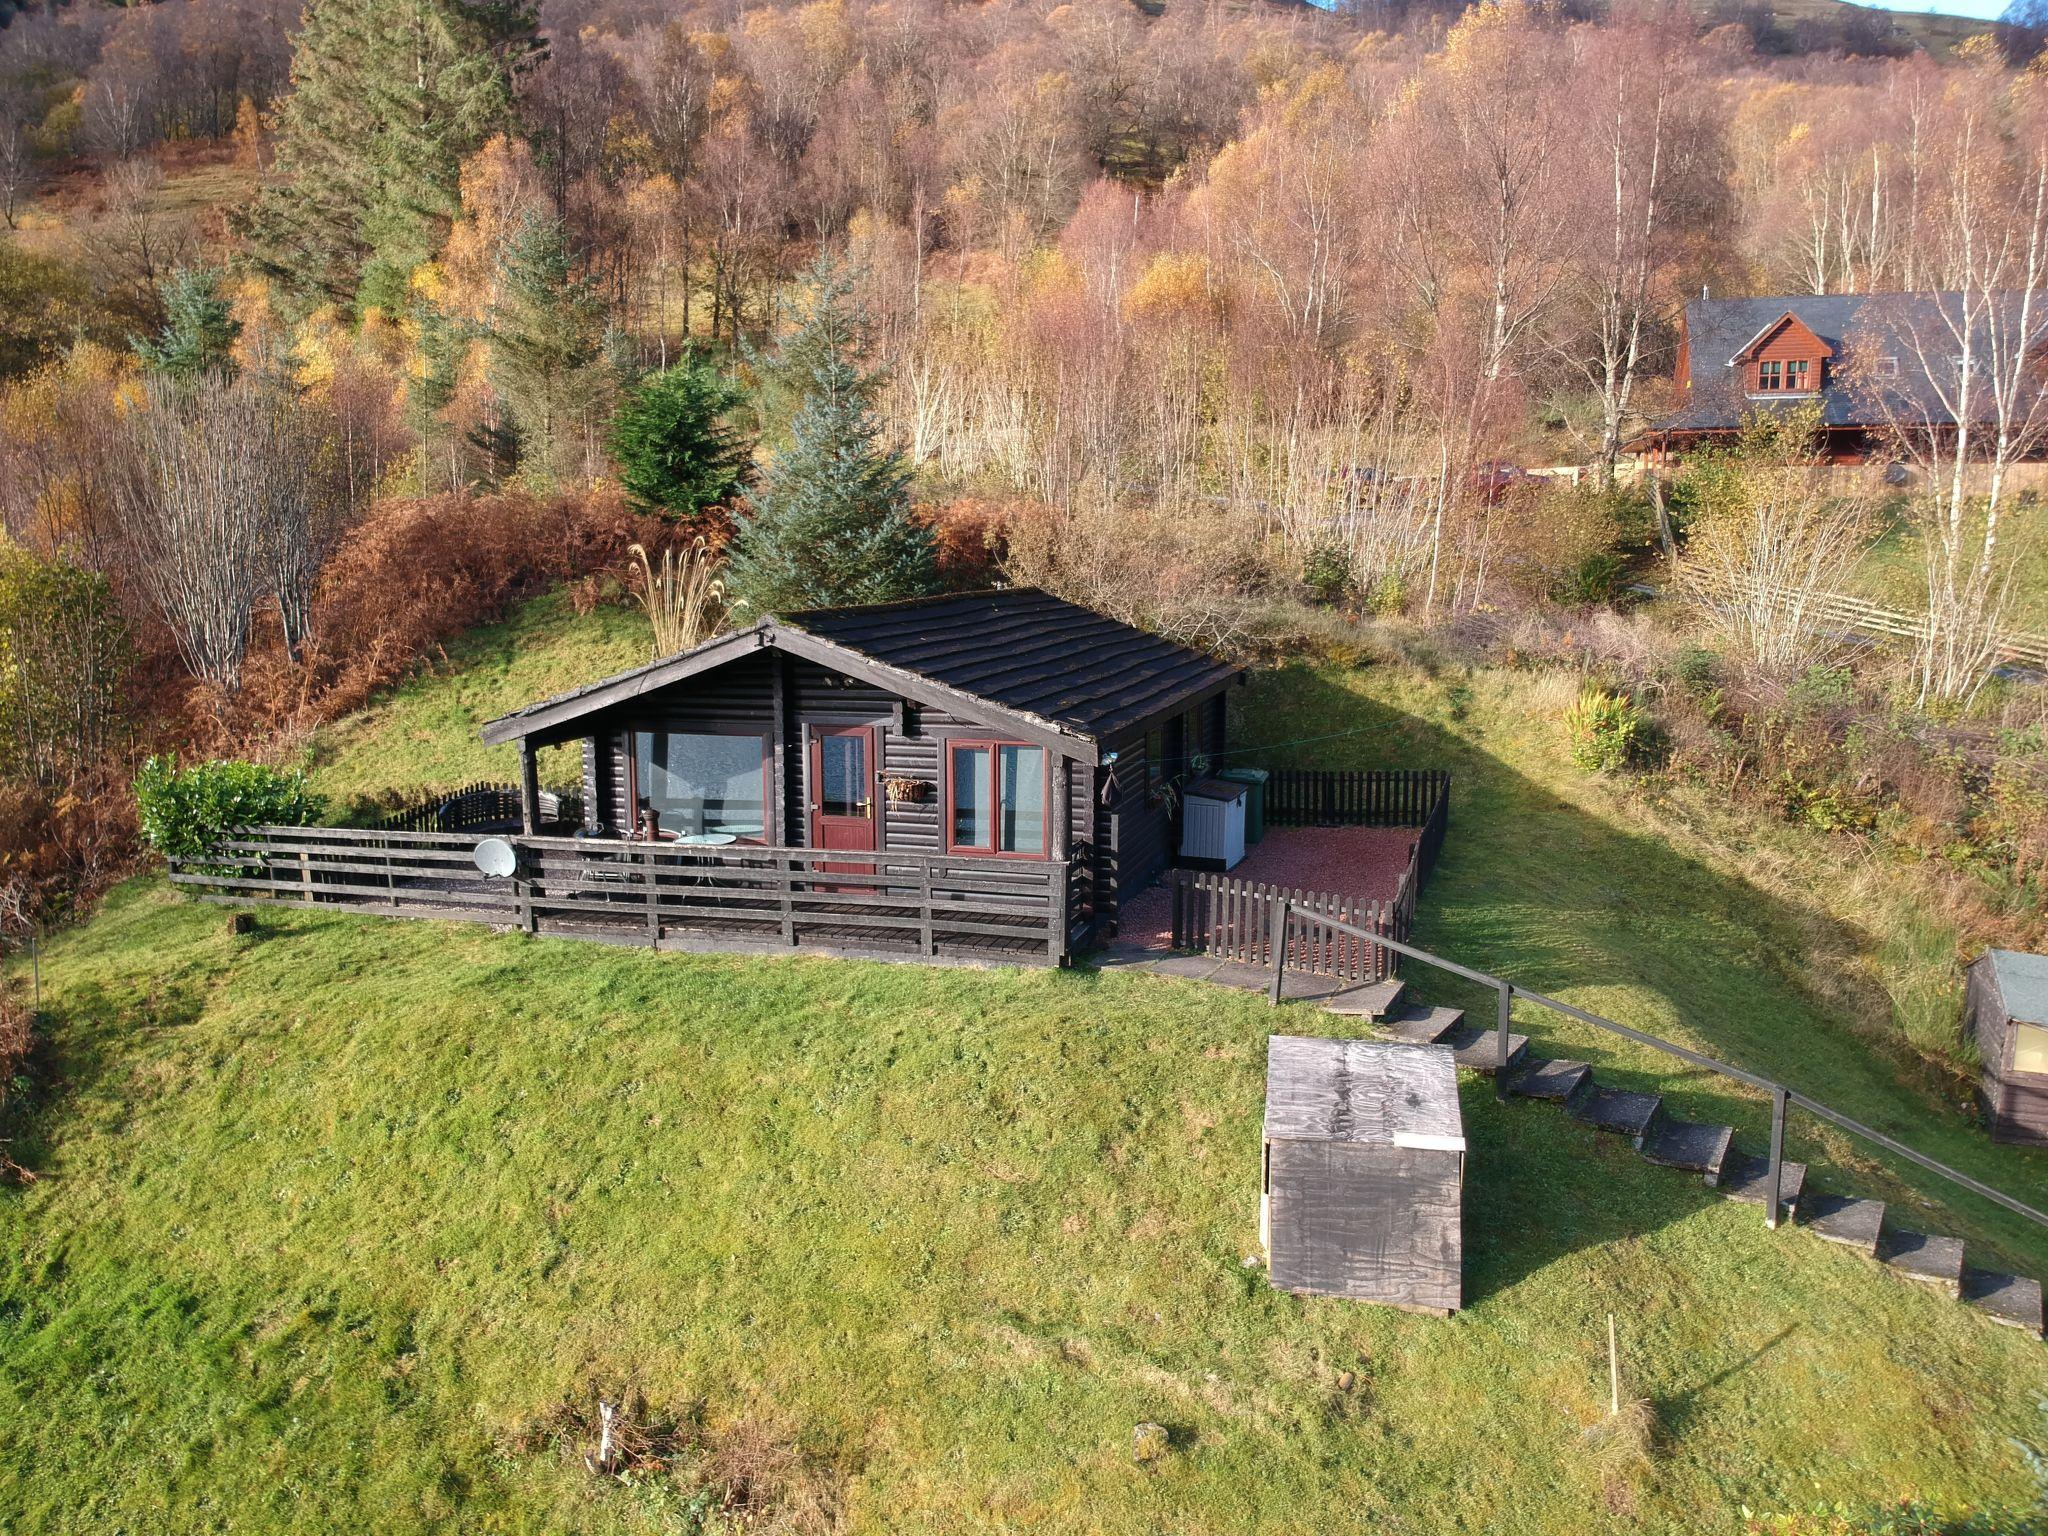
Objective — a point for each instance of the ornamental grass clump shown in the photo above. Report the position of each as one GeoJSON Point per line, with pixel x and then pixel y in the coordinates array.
{"type": "Point", "coordinates": [1608, 730]}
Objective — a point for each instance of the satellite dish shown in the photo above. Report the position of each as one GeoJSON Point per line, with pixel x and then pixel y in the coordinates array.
{"type": "Point", "coordinates": [495, 856]}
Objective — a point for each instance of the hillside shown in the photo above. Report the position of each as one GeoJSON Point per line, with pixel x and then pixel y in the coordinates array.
{"type": "Point", "coordinates": [335, 1218]}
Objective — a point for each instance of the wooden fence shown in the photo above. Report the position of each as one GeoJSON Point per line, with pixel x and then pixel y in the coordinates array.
{"type": "Point", "coordinates": [1308, 797]}
{"type": "Point", "coordinates": [1873, 618]}
{"type": "Point", "coordinates": [891, 903]}
{"type": "Point", "coordinates": [482, 805]}
{"type": "Point", "coordinates": [1235, 919]}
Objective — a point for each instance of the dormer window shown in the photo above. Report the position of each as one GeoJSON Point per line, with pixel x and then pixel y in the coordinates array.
{"type": "Point", "coordinates": [1767, 376]}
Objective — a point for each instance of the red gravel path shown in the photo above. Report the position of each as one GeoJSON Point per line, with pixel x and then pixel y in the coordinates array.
{"type": "Point", "coordinates": [1350, 861]}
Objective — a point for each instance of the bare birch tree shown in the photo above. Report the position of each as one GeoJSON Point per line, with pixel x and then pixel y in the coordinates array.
{"type": "Point", "coordinates": [1773, 536]}
{"type": "Point", "coordinates": [1955, 376]}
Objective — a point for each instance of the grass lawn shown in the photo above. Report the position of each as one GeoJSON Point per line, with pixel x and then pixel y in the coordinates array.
{"type": "Point", "coordinates": [1890, 572]}
{"type": "Point", "coordinates": [334, 1215]}
{"type": "Point", "coordinates": [422, 736]}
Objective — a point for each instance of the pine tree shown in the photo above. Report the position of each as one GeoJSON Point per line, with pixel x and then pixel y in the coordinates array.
{"type": "Point", "coordinates": [200, 328]}
{"type": "Point", "coordinates": [679, 454]}
{"type": "Point", "coordinates": [387, 98]}
{"type": "Point", "coordinates": [547, 335]}
{"type": "Point", "coordinates": [833, 523]}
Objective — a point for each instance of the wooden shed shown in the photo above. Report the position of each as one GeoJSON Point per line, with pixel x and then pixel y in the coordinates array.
{"type": "Point", "coordinates": [2006, 1011]}
{"type": "Point", "coordinates": [1364, 1172]}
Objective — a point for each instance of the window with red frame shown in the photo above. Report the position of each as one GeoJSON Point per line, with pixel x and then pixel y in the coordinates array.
{"type": "Point", "coordinates": [996, 798]}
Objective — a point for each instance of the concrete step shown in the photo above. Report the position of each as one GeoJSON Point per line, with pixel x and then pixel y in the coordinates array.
{"type": "Point", "coordinates": [1422, 1026]}
{"type": "Point", "coordinates": [2012, 1300]}
{"type": "Point", "coordinates": [1365, 1000]}
{"type": "Point", "coordinates": [1545, 1077]}
{"type": "Point", "coordinates": [1923, 1256]}
{"type": "Point", "coordinates": [1845, 1219]}
{"type": "Point", "coordinates": [1478, 1050]}
{"type": "Point", "coordinates": [1689, 1144]}
{"type": "Point", "coordinates": [1620, 1111]}
{"type": "Point", "coordinates": [1748, 1178]}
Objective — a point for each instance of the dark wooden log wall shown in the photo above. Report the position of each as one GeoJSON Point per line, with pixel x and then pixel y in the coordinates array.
{"type": "Point", "coordinates": [744, 695]}
{"type": "Point", "coordinates": [1137, 836]}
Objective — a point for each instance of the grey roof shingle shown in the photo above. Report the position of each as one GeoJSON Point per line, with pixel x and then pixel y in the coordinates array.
{"type": "Point", "coordinates": [1027, 651]}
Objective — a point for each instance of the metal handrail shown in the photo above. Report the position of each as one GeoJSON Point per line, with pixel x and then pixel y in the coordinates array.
{"type": "Point", "coordinates": [1782, 1097]}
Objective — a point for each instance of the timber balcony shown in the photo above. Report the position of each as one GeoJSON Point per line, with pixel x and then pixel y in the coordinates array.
{"type": "Point", "coordinates": [957, 908]}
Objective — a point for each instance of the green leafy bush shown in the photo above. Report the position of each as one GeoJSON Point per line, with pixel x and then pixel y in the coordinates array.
{"type": "Point", "coordinates": [185, 811]}
{"type": "Point", "coordinates": [1608, 730]}
{"type": "Point", "coordinates": [1595, 579]}
{"type": "Point", "coordinates": [1326, 572]}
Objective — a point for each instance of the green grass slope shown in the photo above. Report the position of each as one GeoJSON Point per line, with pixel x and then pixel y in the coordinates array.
{"type": "Point", "coordinates": [332, 1216]}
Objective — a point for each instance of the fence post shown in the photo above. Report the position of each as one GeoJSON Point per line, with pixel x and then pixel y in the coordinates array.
{"type": "Point", "coordinates": [653, 901]}
{"type": "Point", "coordinates": [928, 941]}
{"type": "Point", "coordinates": [1500, 1059]}
{"type": "Point", "coordinates": [1280, 911]}
{"type": "Point", "coordinates": [1774, 1195]}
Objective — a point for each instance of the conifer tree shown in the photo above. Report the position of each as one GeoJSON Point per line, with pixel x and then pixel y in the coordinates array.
{"type": "Point", "coordinates": [679, 453]}
{"type": "Point", "coordinates": [387, 98]}
{"type": "Point", "coordinates": [832, 524]}
{"type": "Point", "coordinates": [199, 330]}
{"type": "Point", "coordinates": [547, 341]}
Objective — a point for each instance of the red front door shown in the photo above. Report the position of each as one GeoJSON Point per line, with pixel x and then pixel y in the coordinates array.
{"type": "Point", "coordinates": [842, 792]}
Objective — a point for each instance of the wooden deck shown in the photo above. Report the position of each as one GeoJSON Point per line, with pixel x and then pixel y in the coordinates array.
{"type": "Point", "coordinates": [950, 909]}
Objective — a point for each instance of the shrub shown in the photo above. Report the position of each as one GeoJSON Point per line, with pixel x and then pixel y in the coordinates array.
{"type": "Point", "coordinates": [64, 656]}
{"type": "Point", "coordinates": [1693, 668]}
{"type": "Point", "coordinates": [1596, 579]}
{"type": "Point", "coordinates": [185, 811]}
{"type": "Point", "coordinates": [1607, 729]}
{"type": "Point", "coordinates": [1326, 572]}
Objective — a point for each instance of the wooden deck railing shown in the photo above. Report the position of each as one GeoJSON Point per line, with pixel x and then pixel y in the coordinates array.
{"type": "Point", "coordinates": [893, 903]}
{"type": "Point", "coordinates": [1234, 919]}
{"type": "Point", "coordinates": [1317, 797]}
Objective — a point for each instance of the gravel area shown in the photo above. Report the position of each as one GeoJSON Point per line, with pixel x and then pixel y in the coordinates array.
{"type": "Point", "coordinates": [1350, 861]}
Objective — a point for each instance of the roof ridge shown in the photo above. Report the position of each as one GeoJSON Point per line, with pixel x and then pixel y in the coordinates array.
{"type": "Point", "coordinates": [930, 599]}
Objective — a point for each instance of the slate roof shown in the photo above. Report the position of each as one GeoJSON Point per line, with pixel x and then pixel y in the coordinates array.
{"type": "Point", "coordinates": [1020, 654]}
{"type": "Point", "coordinates": [1885, 324]}
{"type": "Point", "coordinates": [2023, 983]}
{"type": "Point", "coordinates": [1372, 1091]}
{"type": "Point", "coordinates": [1030, 652]}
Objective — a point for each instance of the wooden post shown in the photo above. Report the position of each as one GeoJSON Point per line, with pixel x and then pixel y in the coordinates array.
{"type": "Point", "coordinates": [1773, 1197]}
{"type": "Point", "coordinates": [788, 899]}
{"type": "Point", "coordinates": [529, 787]}
{"type": "Point", "coordinates": [778, 753]}
{"type": "Point", "coordinates": [927, 940]}
{"type": "Point", "coordinates": [653, 900]}
{"type": "Point", "coordinates": [1613, 1372]}
{"type": "Point", "coordinates": [1500, 1060]}
{"type": "Point", "coordinates": [1280, 914]}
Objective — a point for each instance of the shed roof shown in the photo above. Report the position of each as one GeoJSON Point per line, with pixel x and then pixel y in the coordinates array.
{"type": "Point", "coordinates": [2022, 982]}
{"type": "Point", "coordinates": [1063, 674]}
{"type": "Point", "coordinates": [1369, 1091]}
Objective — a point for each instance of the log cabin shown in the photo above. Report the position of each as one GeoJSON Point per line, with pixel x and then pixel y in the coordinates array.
{"type": "Point", "coordinates": [979, 730]}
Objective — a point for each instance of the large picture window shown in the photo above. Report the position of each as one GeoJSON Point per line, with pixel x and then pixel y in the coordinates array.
{"type": "Point", "coordinates": [2029, 1049]}
{"type": "Point", "coordinates": [703, 782]}
{"type": "Point", "coordinates": [996, 799]}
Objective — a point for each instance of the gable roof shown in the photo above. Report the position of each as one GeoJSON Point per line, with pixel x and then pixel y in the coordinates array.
{"type": "Point", "coordinates": [1751, 347]}
{"type": "Point", "coordinates": [1062, 675]}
